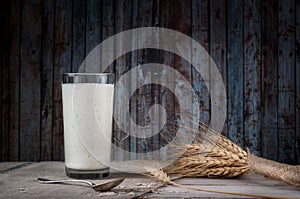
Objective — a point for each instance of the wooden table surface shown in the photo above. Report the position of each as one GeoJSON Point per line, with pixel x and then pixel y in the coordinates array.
{"type": "Point", "coordinates": [18, 180]}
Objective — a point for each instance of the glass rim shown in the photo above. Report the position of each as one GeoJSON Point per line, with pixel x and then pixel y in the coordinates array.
{"type": "Point", "coordinates": [102, 78]}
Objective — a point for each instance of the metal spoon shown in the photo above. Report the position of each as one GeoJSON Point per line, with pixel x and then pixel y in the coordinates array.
{"type": "Point", "coordinates": [106, 186]}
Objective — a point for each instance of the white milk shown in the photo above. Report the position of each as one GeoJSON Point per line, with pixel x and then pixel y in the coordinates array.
{"type": "Point", "coordinates": [87, 114]}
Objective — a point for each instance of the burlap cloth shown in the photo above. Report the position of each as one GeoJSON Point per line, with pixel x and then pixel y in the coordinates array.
{"type": "Point", "coordinates": [287, 173]}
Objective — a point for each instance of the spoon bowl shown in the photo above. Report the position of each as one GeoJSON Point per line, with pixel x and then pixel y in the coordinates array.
{"type": "Point", "coordinates": [106, 186]}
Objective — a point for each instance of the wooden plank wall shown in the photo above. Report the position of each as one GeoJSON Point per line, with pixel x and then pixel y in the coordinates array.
{"type": "Point", "coordinates": [254, 43]}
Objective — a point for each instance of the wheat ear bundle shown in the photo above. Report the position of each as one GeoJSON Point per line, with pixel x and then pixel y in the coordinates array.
{"type": "Point", "coordinates": [214, 155]}
{"type": "Point", "coordinates": [226, 159]}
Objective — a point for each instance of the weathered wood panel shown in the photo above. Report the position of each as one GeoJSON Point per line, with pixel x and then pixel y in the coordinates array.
{"type": "Point", "coordinates": [235, 89]}
{"type": "Point", "coordinates": [269, 78]}
{"type": "Point", "coordinates": [62, 63]}
{"type": "Point", "coordinates": [252, 75]}
{"type": "Point", "coordinates": [47, 80]}
{"type": "Point", "coordinates": [286, 81]}
{"type": "Point", "coordinates": [14, 118]}
{"type": "Point", "coordinates": [254, 43]}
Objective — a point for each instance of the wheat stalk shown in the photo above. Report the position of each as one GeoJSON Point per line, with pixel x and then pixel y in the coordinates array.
{"type": "Point", "coordinates": [160, 175]}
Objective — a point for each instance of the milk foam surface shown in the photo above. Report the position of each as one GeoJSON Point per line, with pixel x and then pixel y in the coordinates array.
{"type": "Point", "coordinates": [87, 112]}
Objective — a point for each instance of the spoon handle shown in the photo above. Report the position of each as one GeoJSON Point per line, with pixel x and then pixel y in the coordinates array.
{"type": "Point", "coordinates": [47, 181]}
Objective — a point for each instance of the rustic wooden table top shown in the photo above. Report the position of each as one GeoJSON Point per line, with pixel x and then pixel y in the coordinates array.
{"type": "Point", "coordinates": [18, 180]}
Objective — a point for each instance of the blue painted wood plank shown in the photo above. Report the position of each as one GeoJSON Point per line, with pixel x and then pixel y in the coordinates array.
{"type": "Point", "coordinates": [122, 23]}
{"type": "Point", "coordinates": [30, 80]}
{"type": "Point", "coordinates": [5, 83]}
{"type": "Point", "coordinates": [297, 77]}
{"type": "Point", "coordinates": [14, 72]}
{"type": "Point", "coordinates": [93, 25]}
{"type": "Point", "coordinates": [133, 83]}
{"type": "Point", "coordinates": [79, 33]}
{"type": "Point", "coordinates": [182, 16]}
{"type": "Point", "coordinates": [235, 72]}
{"type": "Point", "coordinates": [269, 79]}
{"type": "Point", "coordinates": [2, 134]}
{"type": "Point", "coordinates": [144, 93]}
{"type": "Point", "coordinates": [286, 81]}
{"type": "Point", "coordinates": [62, 64]}
{"type": "Point", "coordinates": [156, 117]}
{"type": "Point", "coordinates": [1, 87]}
{"type": "Point", "coordinates": [252, 75]}
{"type": "Point", "coordinates": [47, 80]}
{"type": "Point", "coordinates": [108, 25]}
{"type": "Point", "coordinates": [218, 44]}
{"type": "Point", "coordinates": [200, 33]}
{"type": "Point", "coordinates": [166, 97]}
{"type": "Point", "coordinates": [108, 31]}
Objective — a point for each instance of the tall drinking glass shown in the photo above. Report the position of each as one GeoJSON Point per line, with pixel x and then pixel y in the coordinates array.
{"type": "Point", "coordinates": [87, 115]}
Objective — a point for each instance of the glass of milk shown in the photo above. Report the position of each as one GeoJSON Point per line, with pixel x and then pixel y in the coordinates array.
{"type": "Point", "coordinates": [87, 114]}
